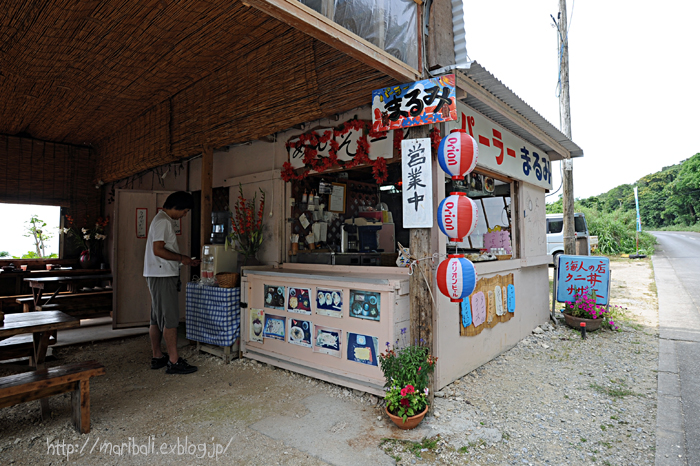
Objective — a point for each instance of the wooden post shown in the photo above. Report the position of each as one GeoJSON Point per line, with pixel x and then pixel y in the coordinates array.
{"type": "Point", "coordinates": [207, 180]}
{"type": "Point", "coordinates": [441, 50]}
{"type": "Point", "coordinates": [421, 279]}
{"type": "Point", "coordinates": [565, 123]}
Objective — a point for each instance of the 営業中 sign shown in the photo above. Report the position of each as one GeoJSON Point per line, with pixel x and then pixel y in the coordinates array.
{"type": "Point", "coordinates": [417, 183]}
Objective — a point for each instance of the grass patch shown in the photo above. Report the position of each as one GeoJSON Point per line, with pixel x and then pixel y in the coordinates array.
{"type": "Point", "coordinates": [652, 285]}
{"type": "Point", "coordinates": [416, 448]}
{"type": "Point", "coordinates": [613, 392]}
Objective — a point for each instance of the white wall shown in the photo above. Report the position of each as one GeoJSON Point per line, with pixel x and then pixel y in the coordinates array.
{"type": "Point", "coordinates": [460, 355]}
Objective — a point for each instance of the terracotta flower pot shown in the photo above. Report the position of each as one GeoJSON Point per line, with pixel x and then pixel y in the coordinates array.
{"type": "Point", "coordinates": [575, 322]}
{"type": "Point", "coordinates": [411, 422]}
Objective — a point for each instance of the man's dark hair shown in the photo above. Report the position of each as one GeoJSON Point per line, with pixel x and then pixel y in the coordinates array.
{"type": "Point", "coordinates": [180, 200]}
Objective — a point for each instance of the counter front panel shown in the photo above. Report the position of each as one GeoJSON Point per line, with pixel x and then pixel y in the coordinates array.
{"type": "Point", "coordinates": [329, 327]}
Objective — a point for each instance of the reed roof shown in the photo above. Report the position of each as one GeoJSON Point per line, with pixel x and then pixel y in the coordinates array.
{"type": "Point", "coordinates": [150, 82]}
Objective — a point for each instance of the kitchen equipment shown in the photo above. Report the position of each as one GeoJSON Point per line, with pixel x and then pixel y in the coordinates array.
{"type": "Point", "coordinates": [220, 226]}
{"type": "Point", "coordinates": [387, 237]}
{"type": "Point", "coordinates": [368, 237]}
{"type": "Point", "coordinates": [223, 260]}
{"type": "Point", "coordinates": [349, 239]}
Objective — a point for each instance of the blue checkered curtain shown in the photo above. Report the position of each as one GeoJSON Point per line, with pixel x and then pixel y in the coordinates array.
{"type": "Point", "coordinates": [213, 314]}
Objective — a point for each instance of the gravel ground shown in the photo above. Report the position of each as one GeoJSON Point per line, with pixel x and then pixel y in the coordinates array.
{"type": "Point", "coordinates": [552, 399]}
{"type": "Point", "coordinates": [555, 398]}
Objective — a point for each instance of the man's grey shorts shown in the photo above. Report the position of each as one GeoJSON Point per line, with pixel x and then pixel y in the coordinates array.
{"type": "Point", "coordinates": [165, 309]}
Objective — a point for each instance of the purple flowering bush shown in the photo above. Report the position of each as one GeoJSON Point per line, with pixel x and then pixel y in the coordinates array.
{"type": "Point", "coordinates": [584, 306]}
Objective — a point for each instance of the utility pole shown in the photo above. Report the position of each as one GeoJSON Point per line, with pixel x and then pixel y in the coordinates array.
{"type": "Point", "coordinates": [565, 125]}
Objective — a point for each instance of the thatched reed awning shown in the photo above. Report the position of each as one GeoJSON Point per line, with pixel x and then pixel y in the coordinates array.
{"type": "Point", "coordinates": [151, 82]}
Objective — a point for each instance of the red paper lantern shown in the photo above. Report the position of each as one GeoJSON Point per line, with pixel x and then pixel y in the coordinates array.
{"type": "Point", "coordinates": [456, 277]}
{"type": "Point", "coordinates": [458, 153]}
{"type": "Point", "coordinates": [457, 216]}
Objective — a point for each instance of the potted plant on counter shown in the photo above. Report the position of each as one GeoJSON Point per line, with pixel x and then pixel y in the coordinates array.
{"type": "Point", "coordinates": [407, 373]}
{"type": "Point", "coordinates": [89, 238]}
{"type": "Point", "coordinates": [246, 234]}
{"type": "Point", "coordinates": [585, 309]}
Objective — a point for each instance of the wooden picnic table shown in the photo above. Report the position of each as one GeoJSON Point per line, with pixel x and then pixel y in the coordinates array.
{"type": "Point", "coordinates": [13, 283]}
{"type": "Point", "coordinates": [73, 281]}
{"type": "Point", "coordinates": [40, 325]}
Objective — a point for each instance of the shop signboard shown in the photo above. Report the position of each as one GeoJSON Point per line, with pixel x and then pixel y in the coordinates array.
{"type": "Point", "coordinates": [417, 177]}
{"type": "Point", "coordinates": [414, 104]}
{"type": "Point", "coordinates": [502, 151]}
{"type": "Point", "coordinates": [583, 274]}
{"type": "Point", "coordinates": [380, 145]}
{"type": "Point", "coordinates": [322, 147]}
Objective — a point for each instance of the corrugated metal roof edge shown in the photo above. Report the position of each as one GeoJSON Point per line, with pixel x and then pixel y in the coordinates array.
{"type": "Point", "coordinates": [495, 87]}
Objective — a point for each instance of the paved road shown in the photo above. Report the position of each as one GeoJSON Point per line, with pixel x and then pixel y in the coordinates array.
{"type": "Point", "coordinates": [677, 273]}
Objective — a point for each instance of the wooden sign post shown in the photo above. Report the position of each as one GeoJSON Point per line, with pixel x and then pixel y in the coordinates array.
{"type": "Point", "coordinates": [422, 306]}
{"type": "Point", "coordinates": [207, 181]}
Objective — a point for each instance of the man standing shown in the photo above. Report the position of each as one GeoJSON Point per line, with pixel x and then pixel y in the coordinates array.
{"type": "Point", "coordinates": [161, 267]}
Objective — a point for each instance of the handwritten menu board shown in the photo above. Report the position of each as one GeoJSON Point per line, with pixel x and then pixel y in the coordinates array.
{"type": "Point", "coordinates": [337, 202]}
{"type": "Point", "coordinates": [141, 222]}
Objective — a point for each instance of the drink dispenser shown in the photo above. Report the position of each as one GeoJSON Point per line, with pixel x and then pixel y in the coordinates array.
{"type": "Point", "coordinates": [207, 267]}
{"type": "Point", "coordinates": [220, 226]}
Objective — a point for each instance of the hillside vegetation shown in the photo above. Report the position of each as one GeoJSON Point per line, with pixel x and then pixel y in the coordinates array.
{"type": "Point", "coordinates": [668, 200]}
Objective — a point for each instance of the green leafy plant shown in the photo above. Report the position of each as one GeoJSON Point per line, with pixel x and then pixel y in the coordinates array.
{"type": "Point", "coordinates": [36, 229]}
{"type": "Point", "coordinates": [407, 373]}
{"type": "Point", "coordinates": [246, 235]}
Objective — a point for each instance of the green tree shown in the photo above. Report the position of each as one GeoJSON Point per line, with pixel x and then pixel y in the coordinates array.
{"type": "Point", "coordinates": [36, 229]}
{"type": "Point", "coordinates": [556, 207]}
{"type": "Point", "coordinates": [4, 254]}
{"type": "Point", "coordinates": [683, 193]}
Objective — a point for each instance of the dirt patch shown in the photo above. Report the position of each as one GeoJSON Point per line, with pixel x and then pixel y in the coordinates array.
{"type": "Point", "coordinates": [552, 398]}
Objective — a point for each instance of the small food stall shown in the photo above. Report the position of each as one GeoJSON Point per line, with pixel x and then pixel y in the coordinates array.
{"type": "Point", "coordinates": [333, 289]}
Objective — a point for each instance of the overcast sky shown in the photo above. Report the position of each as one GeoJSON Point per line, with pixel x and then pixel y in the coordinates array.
{"type": "Point", "coordinates": [635, 99]}
{"type": "Point", "coordinates": [15, 225]}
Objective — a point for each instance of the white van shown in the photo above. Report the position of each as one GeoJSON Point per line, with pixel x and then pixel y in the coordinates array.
{"type": "Point", "coordinates": [555, 235]}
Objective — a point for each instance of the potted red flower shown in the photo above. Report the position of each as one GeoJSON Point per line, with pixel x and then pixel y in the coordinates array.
{"type": "Point", "coordinates": [246, 235]}
{"type": "Point", "coordinates": [407, 373]}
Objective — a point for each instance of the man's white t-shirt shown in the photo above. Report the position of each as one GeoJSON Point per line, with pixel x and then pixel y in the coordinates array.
{"type": "Point", "coordinates": [162, 229]}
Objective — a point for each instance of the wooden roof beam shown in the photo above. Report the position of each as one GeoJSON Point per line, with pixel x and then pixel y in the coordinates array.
{"type": "Point", "coordinates": [308, 21]}
{"type": "Point", "coordinates": [484, 96]}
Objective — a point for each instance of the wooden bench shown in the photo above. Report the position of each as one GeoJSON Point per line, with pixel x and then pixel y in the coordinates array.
{"type": "Point", "coordinates": [81, 305]}
{"type": "Point", "coordinates": [9, 304]}
{"type": "Point", "coordinates": [20, 346]}
{"type": "Point", "coordinates": [35, 385]}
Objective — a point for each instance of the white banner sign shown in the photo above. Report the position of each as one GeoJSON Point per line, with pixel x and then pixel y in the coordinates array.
{"type": "Point", "coordinates": [417, 178]}
{"type": "Point", "coordinates": [347, 146]}
{"type": "Point", "coordinates": [502, 151]}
